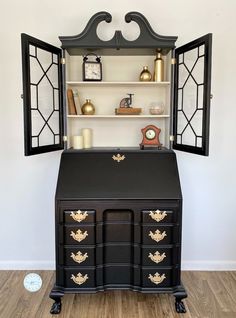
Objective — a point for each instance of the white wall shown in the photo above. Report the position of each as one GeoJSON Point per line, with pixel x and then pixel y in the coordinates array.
{"type": "Point", "coordinates": [27, 185]}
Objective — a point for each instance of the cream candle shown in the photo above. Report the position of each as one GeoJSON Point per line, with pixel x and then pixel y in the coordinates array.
{"type": "Point", "coordinates": [88, 136]}
{"type": "Point", "coordinates": [78, 142]}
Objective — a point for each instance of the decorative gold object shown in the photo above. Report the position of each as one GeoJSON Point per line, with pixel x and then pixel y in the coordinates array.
{"type": "Point", "coordinates": [79, 279]}
{"type": "Point", "coordinates": [79, 215]}
{"type": "Point", "coordinates": [79, 257]}
{"type": "Point", "coordinates": [88, 108]}
{"type": "Point", "coordinates": [145, 75]}
{"type": "Point", "coordinates": [157, 257]}
{"type": "Point", "coordinates": [79, 236]}
{"type": "Point", "coordinates": [157, 236]}
{"type": "Point", "coordinates": [158, 75]}
{"type": "Point", "coordinates": [157, 278]}
{"type": "Point", "coordinates": [157, 215]}
{"type": "Point", "coordinates": [118, 157]}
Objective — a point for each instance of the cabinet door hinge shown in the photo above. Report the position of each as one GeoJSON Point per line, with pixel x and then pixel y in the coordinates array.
{"type": "Point", "coordinates": [173, 61]}
{"type": "Point", "coordinates": [172, 138]}
{"type": "Point", "coordinates": [63, 60]}
{"type": "Point", "coordinates": [65, 138]}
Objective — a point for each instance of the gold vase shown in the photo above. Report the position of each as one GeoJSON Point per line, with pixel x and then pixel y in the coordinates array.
{"type": "Point", "coordinates": [88, 108]}
{"type": "Point", "coordinates": [145, 75]}
{"type": "Point", "coordinates": [158, 75]}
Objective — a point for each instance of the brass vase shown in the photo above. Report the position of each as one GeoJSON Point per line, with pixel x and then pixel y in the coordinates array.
{"type": "Point", "coordinates": [88, 108]}
{"type": "Point", "coordinates": [145, 75]}
{"type": "Point", "coordinates": [158, 75]}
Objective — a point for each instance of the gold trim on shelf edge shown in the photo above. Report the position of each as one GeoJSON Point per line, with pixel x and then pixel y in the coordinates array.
{"type": "Point", "coordinates": [79, 279]}
{"type": "Point", "coordinates": [157, 278]}
{"type": "Point", "coordinates": [79, 235]}
{"type": "Point", "coordinates": [157, 215]}
{"type": "Point", "coordinates": [118, 157]}
{"type": "Point", "coordinates": [79, 215]}
{"type": "Point", "coordinates": [79, 257]}
{"type": "Point", "coordinates": [157, 257]}
{"type": "Point", "coordinates": [157, 236]}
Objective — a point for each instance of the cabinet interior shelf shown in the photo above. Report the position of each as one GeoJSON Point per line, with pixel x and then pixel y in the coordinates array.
{"type": "Point", "coordinates": [76, 83]}
{"type": "Point", "coordinates": [118, 116]}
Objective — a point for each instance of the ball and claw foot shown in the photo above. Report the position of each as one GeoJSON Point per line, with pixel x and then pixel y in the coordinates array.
{"type": "Point", "coordinates": [56, 308]}
{"type": "Point", "coordinates": [179, 307]}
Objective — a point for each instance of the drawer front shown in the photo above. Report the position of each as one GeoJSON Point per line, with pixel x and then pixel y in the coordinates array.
{"type": "Point", "coordinates": [157, 235]}
{"type": "Point", "coordinates": [79, 235]}
{"type": "Point", "coordinates": [80, 278]}
{"type": "Point", "coordinates": [152, 256]}
{"type": "Point", "coordinates": [118, 232]}
{"type": "Point", "coordinates": [157, 277]}
{"type": "Point", "coordinates": [158, 216]}
{"type": "Point", "coordinates": [75, 256]}
{"type": "Point", "coordinates": [79, 216]}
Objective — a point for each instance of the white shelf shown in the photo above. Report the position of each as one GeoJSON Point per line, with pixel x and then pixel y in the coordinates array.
{"type": "Point", "coordinates": [118, 83]}
{"type": "Point", "coordinates": [117, 116]}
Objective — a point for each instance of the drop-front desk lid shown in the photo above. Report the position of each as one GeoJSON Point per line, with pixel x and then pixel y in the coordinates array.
{"type": "Point", "coordinates": [118, 173]}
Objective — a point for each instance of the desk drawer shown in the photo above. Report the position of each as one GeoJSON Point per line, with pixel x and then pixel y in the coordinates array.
{"type": "Point", "coordinates": [158, 216]}
{"type": "Point", "coordinates": [79, 216]}
{"type": "Point", "coordinates": [79, 235]}
{"type": "Point", "coordinates": [157, 234]}
{"type": "Point", "coordinates": [157, 277]}
{"type": "Point", "coordinates": [155, 256]}
{"type": "Point", "coordinates": [76, 256]}
{"type": "Point", "coordinates": [79, 277]}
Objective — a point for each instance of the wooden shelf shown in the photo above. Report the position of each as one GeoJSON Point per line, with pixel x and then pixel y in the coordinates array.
{"type": "Point", "coordinates": [117, 116]}
{"type": "Point", "coordinates": [145, 84]}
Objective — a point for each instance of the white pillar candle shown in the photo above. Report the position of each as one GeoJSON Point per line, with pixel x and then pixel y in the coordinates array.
{"type": "Point", "coordinates": [78, 142]}
{"type": "Point", "coordinates": [88, 137]}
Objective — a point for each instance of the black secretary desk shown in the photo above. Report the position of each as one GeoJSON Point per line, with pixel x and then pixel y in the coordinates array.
{"type": "Point", "coordinates": [118, 211]}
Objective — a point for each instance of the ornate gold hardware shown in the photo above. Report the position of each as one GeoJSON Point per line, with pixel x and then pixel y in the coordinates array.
{"type": "Point", "coordinates": [157, 278]}
{"type": "Point", "coordinates": [79, 257]}
{"type": "Point", "coordinates": [157, 257]}
{"type": "Point", "coordinates": [79, 279]}
{"type": "Point", "coordinates": [157, 236]}
{"type": "Point", "coordinates": [63, 60]}
{"type": "Point", "coordinates": [157, 215]}
{"type": "Point", "coordinates": [118, 157]}
{"type": "Point", "coordinates": [79, 215]}
{"type": "Point", "coordinates": [173, 61]}
{"type": "Point", "coordinates": [79, 236]}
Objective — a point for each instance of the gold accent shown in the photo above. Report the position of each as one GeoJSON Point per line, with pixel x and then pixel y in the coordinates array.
{"type": "Point", "coordinates": [63, 60]}
{"type": "Point", "coordinates": [145, 75]}
{"type": "Point", "coordinates": [157, 215]}
{"type": "Point", "coordinates": [157, 279]}
{"type": "Point", "coordinates": [158, 75]}
{"type": "Point", "coordinates": [118, 157]}
{"type": "Point", "coordinates": [157, 257]}
{"type": "Point", "coordinates": [79, 257]}
{"type": "Point", "coordinates": [172, 138]}
{"type": "Point", "coordinates": [173, 61]}
{"type": "Point", "coordinates": [79, 236]}
{"type": "Point", "coordinates": [157, 236]}
{"type": "Point", "coordinates": [65, 138]}
{"type": "Point", "coordinates": [79, 279]}
{"type": "Point", "coordinates": [79, 215]}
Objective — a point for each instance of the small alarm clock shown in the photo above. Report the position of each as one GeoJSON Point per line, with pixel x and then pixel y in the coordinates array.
{"type": "Point", "coordinates": [150, 137]}
{"type": "Point", "coordinates": [92, 70]}
{"type": "Point", "coordinates": [32, 282]}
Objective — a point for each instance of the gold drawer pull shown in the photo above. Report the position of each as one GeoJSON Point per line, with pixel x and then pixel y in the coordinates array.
{"type": "Point", "coordinates": [157, 215]}
{"type": "Point", "coordinates": [157, 278]}
{"type": "Point", "coordinates": [79, 235]}
{"type": "Point", "coordinates": [79, 279]}
{"type": "Point", "coordinates": [118, 157]}
{"type": "Point", "coordinates": [157, 257]}
{"type": "Point", "coordinates": [79, 215]}
{"type": "Point", "coordinates": [157, 236]}
{"type": "Point", "coordinates": [79, 257]}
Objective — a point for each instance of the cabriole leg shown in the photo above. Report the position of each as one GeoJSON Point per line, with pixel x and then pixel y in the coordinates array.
{"type": "Point", "coordinates": [56, 296]}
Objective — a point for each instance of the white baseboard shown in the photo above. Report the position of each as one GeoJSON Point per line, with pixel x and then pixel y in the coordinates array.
{"type": "Point", "coordinates": [208, 265]}
{"type": "Point", "coordinates": [27, 265]}
{"type": "Point", "coordinates": [186, 265]}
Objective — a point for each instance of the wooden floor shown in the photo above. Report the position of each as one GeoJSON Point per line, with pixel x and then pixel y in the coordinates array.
{"type": "Point", "coordinates": [210, 294]}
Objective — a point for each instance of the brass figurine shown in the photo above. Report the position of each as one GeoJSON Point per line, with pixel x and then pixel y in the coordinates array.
{"type": "Point", "coordinates": [145, 75]}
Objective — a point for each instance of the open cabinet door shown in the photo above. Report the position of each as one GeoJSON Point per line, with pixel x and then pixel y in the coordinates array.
{"type": "Point", "coordinates": [42, 96]}
{"type": "Point", "coordinates": [192, 92]}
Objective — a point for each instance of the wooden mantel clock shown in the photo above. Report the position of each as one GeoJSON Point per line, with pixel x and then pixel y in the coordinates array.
{"type": "Point", "coordinates": [150, 137]}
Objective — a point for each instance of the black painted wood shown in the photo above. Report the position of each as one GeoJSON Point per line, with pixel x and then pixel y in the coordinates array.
{"type": "Point", "coordinates": [146, 43]}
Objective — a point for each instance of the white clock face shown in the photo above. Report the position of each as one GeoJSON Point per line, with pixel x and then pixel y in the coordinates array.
{"type": "Point", "coordinates": [150, 134]}
{"type": "Point", "coordinates": [92, 71]}
{"type": "Point", "coordinates": [32, 282]}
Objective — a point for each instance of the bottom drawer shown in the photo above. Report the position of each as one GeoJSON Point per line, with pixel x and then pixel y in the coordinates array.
{"type": "Point", "coordinates": [80, 277]}
{"type": "Point", "coordinates": [159, 277]}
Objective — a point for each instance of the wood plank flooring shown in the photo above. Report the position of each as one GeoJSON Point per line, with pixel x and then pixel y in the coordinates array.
{"type": "Point", "coordinates": [210, 295]}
